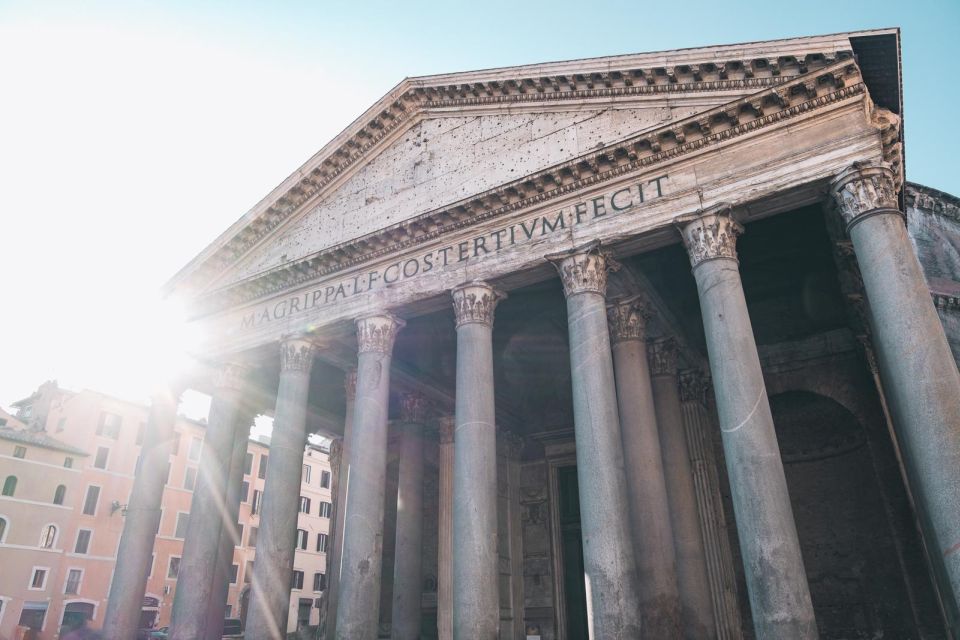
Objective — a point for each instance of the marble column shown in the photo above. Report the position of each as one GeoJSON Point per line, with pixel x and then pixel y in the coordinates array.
{"type": "Point", "coordinates": [339, 472]}
{"type": "Point", "coordinates": [776, 580]}
{"type": "Point", "coordinates": [446, 428]}
{"type": "Point", "coordinates": [608, 559]}
{"type": "Point", "coordinates": [201, 544]}
{"type": "Point", "coordinates": [650, 523]}
{"type": "Point", "coordinates": [229, 539]}
{"type": "Point", "coordinates": [359, 599]}
{"type": "Point", "coordinates": [122, 618]}
{"type": "Point", "coordinates": [919, 374]}
{"type": "Point", "coordinates": [276, 540]}
{"type": "Point", "coordinates": [684, 517]}
{"type": "Point", "coordinates": [407, 579]}
{"type": "Point", "coordinates": [713, 525]}
{"type": "Point", "coordinates": [476, 602]}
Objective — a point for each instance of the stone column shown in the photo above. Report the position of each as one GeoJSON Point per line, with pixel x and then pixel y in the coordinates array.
{"type": "Point", "coordinates": [200, 547]}
{"type": "Point", "coordinates": [713, 526]}
{"type": "Point", "coordinates": [122, 618]}
{"type": "Point", "coordinates": [919, 375]}
{"type": "Point", "coordinates": [407, 579]}
{"type": "Point", "coordinates": [476, 602]}
{"type": "Point", "coordinates": [776, 580]}
{"type": "Point", "coordinates": [684, 518]}
{"type": "Point", "coordinates": [359, 599]}
{"type": "Point", "coordinates": [608, 560]}
{"type": "Point", "coordinates": [646, 487]}
{"type": "Point", "coordinates": [445, 538]}
{"type": "Point", "coordinates": [272, 569]}
{"type": "Point", "coordinates": [228, 530]}
{"type": "Point", "coordinates": [339, 472]}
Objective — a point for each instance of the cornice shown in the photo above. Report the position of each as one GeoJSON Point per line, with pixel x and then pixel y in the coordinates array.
{"type": "Point", "coordinates": [932, 200]}
{"type": "Point", "coordinates": [793, 98]}
{"type": "Point", "coordinates": [640, 76]}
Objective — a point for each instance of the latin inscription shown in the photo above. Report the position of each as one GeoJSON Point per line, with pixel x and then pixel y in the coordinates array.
{"type": "Point", "coordinates": [610, 204]}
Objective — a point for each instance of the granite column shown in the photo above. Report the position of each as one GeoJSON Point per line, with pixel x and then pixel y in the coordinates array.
{"type": "Point", "coordinates": [476, 602]}
{"type": "Point", "coordinates": [142, 521]}
{"type": "Point", "coordinates": [359, 598]}
{"type": "Point", "coordinates": [276, 541]}
{"type": "Point", "coordinates": [776, 580]}
{"type": "Point", "coordinates": [920, 377]}
{"type": "Point", "coordinates": [608, 559]}
{"type": "Point", "coordinates": [407, 579]}
{"type": "Point", "coordinates": [695, 598]}
{"type": "Point", "coordinates": [646, 485]}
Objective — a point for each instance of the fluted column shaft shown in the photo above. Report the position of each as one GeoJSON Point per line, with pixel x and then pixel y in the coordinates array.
{"type": "Point", "coordinates": [407, 579]}
{"type": "Point", "coordinates": [122, 618]}
{"type": "Point", "coordinates": [228, 534]}
{"type": "Point", "coordinates": [476, 603]}
{"type": "Point", "coordinates": [200, 547]}
{"type": "Point", "coordinates": [646, 487]}
{"type": "Point", "coordinates": [445, 537]}
{"type": "Point", "coordinates": [276, 540]}
{"type": "Point", "coordinates": [359, 599]}
{"type": "Point", "coordinates": [920, 376]}
{"type": "Point", "coordinates": [340, 471]}
{"type": "Point", "coordinates": [608, 559]}
{"type": "Point", "coordinates": [723, 580]}
{"type": "Point", "coordinates": [688, 542]}
{"type": "Point", "coordinates": [776, 580]}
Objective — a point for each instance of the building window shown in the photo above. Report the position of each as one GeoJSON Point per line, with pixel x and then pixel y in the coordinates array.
{"type": "Point", "coordinates": [90, 502]}
{"type": "Point", "coordinates": [73, 582]}
{"type": "Point", "coordinates": [234, 569]}
{"type": "Point", "coordinates": [325, 509]}
{"type": "Point", "coordinates": [296, 580]}
{"type": "Point", "coordinates": [319, 581]}
{"type": "Point", "coordinates": [19, 452]}
{"type": "Point", "coordinates": [301, 539]}
{"type": "Point", "coordinates": [239, 539]}
{"type": "Point", "coordinates": [3, 529]}
{"type": "Point", "coordinates": [248, 572]}
{"type": "Point", "coordinates": [248, 464]}
{"type": "Point", "coordinates": [252, 538]}
{"type": "Point", "coordinates": [255, 508]}
{"type": "Point", "coordinates": [307, 472]}
{"type": "Point", "coordinates": [141, 431]}
{"type": "Point", "coordinates": [325, 479]}
{"type": "Point", "coordinates": [83, 541]}
{"type": "Point", "coordinates": [244, 491]}
{"type": "Point", "coordinates": [38, 581]}
{"type": "Point", "coordinates": [109, 426]}
{"type": "Point", "coordinates": [190, 478]}
{"type": "Point", "coordinates": [196, 444]}
{"type": "Point", "coordinates": [173, 568]}
{"type": "Point", "coordinates": [10, 486]}
{"type": "Point", "coordinates": [304, 505]}
{"type": "Point", "coordinates": [32, 615]}
{"type": "Point", "coordinates": [321, 542]}
{"type": "Point", "coordinates": [181, 529]}
{"type": "Point", "coordinates": [101, 460]}
{"type": "Point", "coordinates": [262, 469]}
{"type": "Point", "coordinates": [61, 424]}
{"type": "Point", "coordinates": [48, 535]}
{"type": "Point", "coordinates": [60, 494]}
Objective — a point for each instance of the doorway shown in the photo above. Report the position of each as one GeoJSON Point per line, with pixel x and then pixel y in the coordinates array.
{"type": "Point", "coordinates": [571, 550]}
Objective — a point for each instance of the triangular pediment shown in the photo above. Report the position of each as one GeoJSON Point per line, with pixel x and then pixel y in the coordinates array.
{"type": "Point", "coordinates": [438, 140]}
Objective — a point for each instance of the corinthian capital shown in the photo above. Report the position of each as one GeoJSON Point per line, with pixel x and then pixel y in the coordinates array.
{"type": "Point", "coordinates": [865, 189]}
{"type": "Point", "coordinates": [694, 385]}
{"type": "Point", "coordinates": [231, 376]}
{"type": "Point", "coordinates": [376, 332]}
{"type": "Point", "coordinates": [413, 407]}
{"type": "Point", "coordinates": [628, 319]}
{"type": "Point", "coordinates": [710, 234]}
{"type": "Point", "coordinates": [446, 427]}
{"type": "Point", "coordinates": [662, 354]}
{"type": "Point", "coordinates": [584, 269]}
{"type": "Point", "coordinates": [296, 355]}
{"type": "Point", "coordinates": [474, 303]}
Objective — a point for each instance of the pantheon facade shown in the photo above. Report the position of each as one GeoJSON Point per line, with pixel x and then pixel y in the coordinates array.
{"type": "Point", "coordinates": [647, 346]}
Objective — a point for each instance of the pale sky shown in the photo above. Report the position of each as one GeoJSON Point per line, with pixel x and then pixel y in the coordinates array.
{"type": "Point", "coordinates": [132, 134]}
